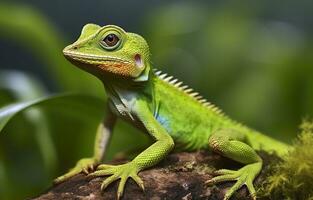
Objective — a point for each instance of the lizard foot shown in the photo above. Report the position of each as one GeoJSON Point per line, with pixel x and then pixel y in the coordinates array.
{"type": "Point", "coordinates": [243, 176]}
{"type": "Point", "coordinates": [85, 165]}
{"type": "Point", "coordinates": [122, 172]}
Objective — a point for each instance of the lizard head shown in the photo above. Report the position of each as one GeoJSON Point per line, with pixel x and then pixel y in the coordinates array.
{"type": "Point", "coordinates": [109, 50]}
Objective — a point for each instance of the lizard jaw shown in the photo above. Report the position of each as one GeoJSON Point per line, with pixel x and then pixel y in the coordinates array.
{"type": "Point", "coordinates": [98, 64]}
{"type": "Point", "coordinates": [91, 59]}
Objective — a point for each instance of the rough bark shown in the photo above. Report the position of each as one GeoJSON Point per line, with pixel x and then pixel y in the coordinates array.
{"type": "Point", "coordinates": [179, 176]}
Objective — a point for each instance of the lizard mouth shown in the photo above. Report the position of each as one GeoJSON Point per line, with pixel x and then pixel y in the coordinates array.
{"type": "Point", "coordinates": [96, 64]}
{"type": "Point", "coordinates": [92, 59]}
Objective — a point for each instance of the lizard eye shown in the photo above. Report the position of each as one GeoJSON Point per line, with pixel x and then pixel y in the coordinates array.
{"type": "Point", "coordinates": [110, 41]}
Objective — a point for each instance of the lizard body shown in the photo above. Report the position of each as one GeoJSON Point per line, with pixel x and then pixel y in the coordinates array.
{"type": "Point", "coordinates": [177, 106]}
{"type": "Point", "coordinates": [174, 115]}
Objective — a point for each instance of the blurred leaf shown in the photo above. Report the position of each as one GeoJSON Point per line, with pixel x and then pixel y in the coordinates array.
{"type": "Point", "coordinates": [9, 111]}
{"type": "Point", "coordinates": [22, 161]}
{"type": "Point", "coordinates": [41, 37]}
{"type": "Point", "coordinates": [20, 85]}
{"type": "Point", "coordinates": [25, 87]}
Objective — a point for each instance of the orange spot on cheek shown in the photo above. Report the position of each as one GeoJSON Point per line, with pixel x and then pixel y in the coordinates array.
{"type": "Point", "coordinates": [124, 69]}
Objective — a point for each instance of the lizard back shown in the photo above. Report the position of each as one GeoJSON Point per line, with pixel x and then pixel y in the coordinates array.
{"type": "Point", "coordinates": [190, 119]}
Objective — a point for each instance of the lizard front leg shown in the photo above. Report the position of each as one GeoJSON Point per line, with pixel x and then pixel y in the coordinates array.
{"type": "Point", "coordinates": [149, 157]}
{"type": "Point", "coordinates": [230, 143]}
{"type": "Point", "coordinates": [103, 135]}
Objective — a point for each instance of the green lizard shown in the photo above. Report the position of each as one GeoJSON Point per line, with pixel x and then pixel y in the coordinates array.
{"type": "Point", "coordinates": [174, 115]}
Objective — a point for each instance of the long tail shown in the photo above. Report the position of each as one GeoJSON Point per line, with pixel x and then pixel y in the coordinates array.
{"type": "Point", "coordinates": [263, 142]}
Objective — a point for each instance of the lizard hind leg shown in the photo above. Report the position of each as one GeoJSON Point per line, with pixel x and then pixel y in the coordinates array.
{"type": "Point", "coordinates": [231, 144]}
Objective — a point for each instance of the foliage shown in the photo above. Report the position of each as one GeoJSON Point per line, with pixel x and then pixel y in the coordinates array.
{"type": "Point", "coordinates": [25, 152]}
{"type": "Point", "coordinates": [292, 178]}
{"type": "Point", "coordinates": [38, 32]}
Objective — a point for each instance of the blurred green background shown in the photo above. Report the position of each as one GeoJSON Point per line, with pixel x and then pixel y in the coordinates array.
{"type": "Point", "coordinates": [252, 59]}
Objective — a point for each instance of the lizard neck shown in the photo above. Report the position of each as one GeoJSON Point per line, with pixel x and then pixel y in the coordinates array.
{"type": "Point", "coordinates": [119, 85]}
{"type": "Point", "coordinates": [123, 93]}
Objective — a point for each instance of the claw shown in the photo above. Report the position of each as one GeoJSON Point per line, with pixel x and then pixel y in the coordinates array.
{"type": "Point", "coordinates": [100, 173]}
{"type": "Point", "coordinates": [121, 187]}
{"type": "Point", "coordinates": [243, 176]}
{"type": "Point", "coordinates": [122, 172]}
{"type": "Point", "coordinates": [233, 189]}
{"type": "Point", "coordinates": [85, 170]}
{"type": "Point", "coordinates": [221, 178]}
{"type": "Point", "coordinates": [108, 181]}
{"type": "Point", "coordinates": [118, 196]}
{"type": "Point", "coordinates": [82, 166]}
{"type": "Point", "coordinates": [66, 176]}
{"type": "Point", "coordinates": [138, 180]}
{"type": "Point", "coordinates": [251, 189]}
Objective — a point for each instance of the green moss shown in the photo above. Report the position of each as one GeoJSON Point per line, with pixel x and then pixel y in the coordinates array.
{"type": "Point", "coordinates": [293, 177]}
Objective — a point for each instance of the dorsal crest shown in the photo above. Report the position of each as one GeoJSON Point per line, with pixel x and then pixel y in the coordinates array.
{"type": "Point", "coordinates": [187, 90]}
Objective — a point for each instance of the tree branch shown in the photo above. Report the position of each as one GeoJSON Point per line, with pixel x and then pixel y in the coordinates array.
{"type": "Point", "coordinates": [179, 176]}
